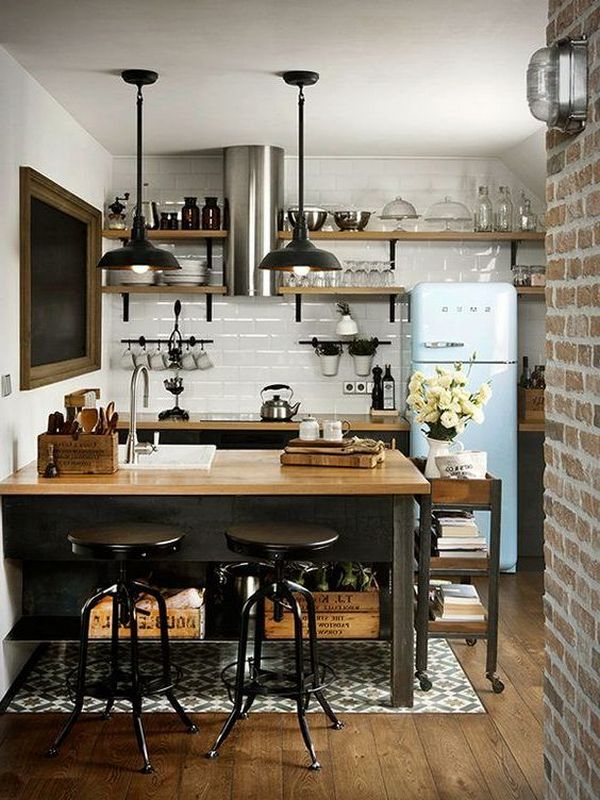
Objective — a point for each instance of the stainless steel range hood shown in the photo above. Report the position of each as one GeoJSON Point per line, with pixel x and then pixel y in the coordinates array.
{"type": "Point", "coordinates": [253, 176]}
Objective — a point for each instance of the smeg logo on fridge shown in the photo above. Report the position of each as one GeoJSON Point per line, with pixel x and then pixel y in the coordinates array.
{"type": "Point", "coordinates": [466, 309]}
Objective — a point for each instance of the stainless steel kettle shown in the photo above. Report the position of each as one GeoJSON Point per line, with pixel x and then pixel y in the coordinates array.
{"type": "Point", "coordinates": [277, 408]}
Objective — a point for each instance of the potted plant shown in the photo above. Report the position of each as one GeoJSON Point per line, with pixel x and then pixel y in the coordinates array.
{"type": "Point", "coordinates": [362, 352]}
{"type": "Point", "coordinates": [329, 353]}
{"type": "Point", "coordinates": [446, 406]}
{"type": "Point", "coordinates": [346, 325]}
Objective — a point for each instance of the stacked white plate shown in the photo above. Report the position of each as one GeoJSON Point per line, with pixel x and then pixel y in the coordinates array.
{"type": "Point", "coordinates": [193, 272]}
{"type": "Point", "coordinates": [127, 277]}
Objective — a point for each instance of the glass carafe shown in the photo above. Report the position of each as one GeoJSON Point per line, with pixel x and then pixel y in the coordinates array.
{"type": "Point", "coordinates": [504, 210]}
{"type": "Point", "coordinates": [484, 218]}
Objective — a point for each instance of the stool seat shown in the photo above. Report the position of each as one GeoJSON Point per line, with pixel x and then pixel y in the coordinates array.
{"type": "Point", "coordinates": [289, 540]}
{"type": "Point", "coordinates": [125, 540]}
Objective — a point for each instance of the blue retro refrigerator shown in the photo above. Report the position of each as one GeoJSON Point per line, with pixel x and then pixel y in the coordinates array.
{"type": "Point", "coordinates": [451, 322]}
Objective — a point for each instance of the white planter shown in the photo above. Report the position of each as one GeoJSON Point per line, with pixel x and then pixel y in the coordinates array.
{"type": "Point", "coordinates": [362, 365]}
{"type": "Point", "coordinates": [330, 365]}
{"type": "Point", "coordinates": [346, 326]}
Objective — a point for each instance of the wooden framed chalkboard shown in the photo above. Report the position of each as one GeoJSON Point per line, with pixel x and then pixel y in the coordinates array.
{"type": "Point", "coordinates": [60, 283]}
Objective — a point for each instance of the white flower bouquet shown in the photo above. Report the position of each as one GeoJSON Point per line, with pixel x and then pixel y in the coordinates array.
{"type": "Point", "coordinates": [444, 403]}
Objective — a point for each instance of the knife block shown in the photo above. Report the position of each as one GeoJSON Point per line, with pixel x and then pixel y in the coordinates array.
{"type": "Point", "coordinates": [84, 454]}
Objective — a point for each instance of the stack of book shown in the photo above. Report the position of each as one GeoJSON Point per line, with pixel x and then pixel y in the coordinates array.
{"type": "Point", "coordinates": [456, 535]}
{"type": "Point", "coordinates": [457, 602]}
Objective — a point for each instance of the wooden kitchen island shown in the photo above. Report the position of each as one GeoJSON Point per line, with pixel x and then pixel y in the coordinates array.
{"type": "Point", "coordinates": [373, 510]}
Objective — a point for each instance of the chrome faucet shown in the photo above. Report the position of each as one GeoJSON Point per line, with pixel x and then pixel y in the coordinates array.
{"type": "Point", "coordinates": [134, 448]}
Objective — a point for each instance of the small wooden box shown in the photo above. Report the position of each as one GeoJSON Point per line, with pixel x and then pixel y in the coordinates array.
{"type": "Point", "coordinates": [340, 615]}
{"type": "Point", "coordinates": [183, 623]}
{"type": "Point", "coordinates": [86, 454]}
{"type": "Point", "coordinates": [531, 405]}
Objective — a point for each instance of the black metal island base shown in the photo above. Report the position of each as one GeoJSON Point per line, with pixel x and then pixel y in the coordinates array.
{"type": "Point", "coordinates": [373, 511]}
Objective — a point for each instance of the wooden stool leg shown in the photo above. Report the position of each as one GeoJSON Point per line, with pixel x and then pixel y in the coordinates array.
{"type": "Point", "coordinates": [86, 612]}
{"type": "Point", "coordinates": [136, 695]}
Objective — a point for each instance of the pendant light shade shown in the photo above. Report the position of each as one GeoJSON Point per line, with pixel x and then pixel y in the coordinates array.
{"type": "Point", "coordinates": [300, 255]}
{"type": "Point", "coordinates": [138, 254]}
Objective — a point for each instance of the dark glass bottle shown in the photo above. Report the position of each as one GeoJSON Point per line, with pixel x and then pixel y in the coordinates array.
{"type": "Point", "coordinates": [173, 222]}
{"type": "Point", "coordinates": [190, 215]}
{"type": "Point", "coordinates": [164, 221]}
{"type": "Point", "coordinates": [389, 390]}
{"type": "Point", "coordinates": [525, 380]}
{"type": "Point", "coordinates": [211, 215]}
{"type": "Point", "coordinates": [377, 393]}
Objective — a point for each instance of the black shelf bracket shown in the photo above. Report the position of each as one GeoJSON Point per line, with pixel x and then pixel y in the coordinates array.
{"type": "Point", "coordinates": [393, 307]}
{"type": "Point", "coordinates": [514, 249]}
{"type": "Point", "coordinates": [125, 311]}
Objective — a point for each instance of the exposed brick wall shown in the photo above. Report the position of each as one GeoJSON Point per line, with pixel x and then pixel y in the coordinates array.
{"type": "Point", "coordinates": [572, 448]}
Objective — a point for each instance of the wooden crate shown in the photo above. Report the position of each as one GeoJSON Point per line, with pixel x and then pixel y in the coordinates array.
{"type": "Point", "coordinates": [531, 405]}
{"type": "Point", "coordinates": [86, 454]}
{"type": "Point", "coordinates": [183, 623]}
{"type": "Point", "coordinates": [340, 615]}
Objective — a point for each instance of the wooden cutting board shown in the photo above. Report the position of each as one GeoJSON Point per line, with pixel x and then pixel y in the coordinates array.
{"type": "Point", "coordinates": [320, 443]}
{"type": "Point", "coordinates": [354, 460]}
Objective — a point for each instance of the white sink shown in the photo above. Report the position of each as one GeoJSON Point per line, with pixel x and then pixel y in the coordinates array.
{"type": "Point", "coordinates": [173, 456]}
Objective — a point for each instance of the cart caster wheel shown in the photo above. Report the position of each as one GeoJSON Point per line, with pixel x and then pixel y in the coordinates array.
{"type": "Point", "coordinates": [497, 685]}
{"type": "Point", "coordinates": [471, 642]}
{"type": "Point", "coordinates": [425, 683]}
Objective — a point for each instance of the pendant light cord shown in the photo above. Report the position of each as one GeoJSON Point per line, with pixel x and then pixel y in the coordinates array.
{"type": "Point", "coordinates": [301, 155]}
{"type": "Point", "coordinates": [138, 208]}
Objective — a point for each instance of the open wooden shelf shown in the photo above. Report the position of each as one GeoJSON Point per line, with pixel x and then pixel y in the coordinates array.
{"type": "Point", "coordinates": [168, 236]}
{"type": "Point", "coordinates": [459, 564]}
{"type": "Point", "coordinates": [138, 288]}
{"type": "Point", "coordinates": [370, 290]}
{"type": "Point", "coordinates": [424, 236]}
{"type": "Point", "coordinates": [535, 291]}
{"type": "Point", "coordinates": [439, 627]}
{"type": "Point", "coordinates": [531, 427]}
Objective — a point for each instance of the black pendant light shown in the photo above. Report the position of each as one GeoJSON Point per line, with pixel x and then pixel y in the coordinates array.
{"type": "Point", "coordinates": [139, 254]}
{"type": "Point", "coordinates": [300, 255]}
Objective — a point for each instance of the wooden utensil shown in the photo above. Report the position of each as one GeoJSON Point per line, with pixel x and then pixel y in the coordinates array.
{"type": "Point", "coordinates": [100, 425]}
{"type": "Point", "coordinates": [112, 423]}
{"type": "Point", "coordinates": [88, 418]}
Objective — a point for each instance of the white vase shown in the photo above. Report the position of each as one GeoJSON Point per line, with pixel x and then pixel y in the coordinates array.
{"type": "Point", "coordinates": [330, 365]}
{"type": "Point", "coordinates": [438, 447]}
{"type": "Point", "coordinates": [362, 364]}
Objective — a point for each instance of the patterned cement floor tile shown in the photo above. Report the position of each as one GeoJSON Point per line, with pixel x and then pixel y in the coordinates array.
{"type": "Point", "coordinates": [361, 684]}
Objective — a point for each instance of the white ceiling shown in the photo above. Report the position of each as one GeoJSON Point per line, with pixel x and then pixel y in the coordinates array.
{"type": "Point", "coordinates": [398, 77]}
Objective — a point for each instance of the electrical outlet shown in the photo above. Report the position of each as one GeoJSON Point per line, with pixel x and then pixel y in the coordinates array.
{"type": "Point", "coordinates": [360, 387]}
{"type": "Point", "coordinates": [349, 387]}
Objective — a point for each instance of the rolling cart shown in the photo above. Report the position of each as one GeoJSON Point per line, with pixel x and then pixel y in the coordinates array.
{"type": "Point", "coordinates": [469, 495]}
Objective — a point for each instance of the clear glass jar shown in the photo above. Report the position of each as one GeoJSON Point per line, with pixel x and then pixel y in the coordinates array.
{"type": "Point", "coordinates": [537, 275]}
{"type": "Point", "coordinates": [504, 210]}
{"type": "Point", "coordinates": [527, 219]}
{"type": "Point", "coordinates": [484, 217]}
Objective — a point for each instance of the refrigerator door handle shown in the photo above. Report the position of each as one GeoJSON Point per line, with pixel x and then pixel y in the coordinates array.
{"type": "Point", "coordinates": [441, 345]}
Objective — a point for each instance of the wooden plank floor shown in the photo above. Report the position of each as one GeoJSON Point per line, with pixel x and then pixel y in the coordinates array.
{"type": "Point", "coordinates": [376, 757]}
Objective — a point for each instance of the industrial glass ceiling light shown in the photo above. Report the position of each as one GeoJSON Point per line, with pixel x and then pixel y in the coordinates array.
{"type": "Point", "coordinates": [139, 254]}
{"type": "Point", "coordinates": [557, 85]}
{"type": "Point", "coordinates": [300, 255]}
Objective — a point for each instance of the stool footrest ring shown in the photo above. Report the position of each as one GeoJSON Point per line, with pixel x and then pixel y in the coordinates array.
{"type": "Point", "coordinates": [276, 683]}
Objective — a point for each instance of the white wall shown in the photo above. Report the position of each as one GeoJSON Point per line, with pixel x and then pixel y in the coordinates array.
{"type": "Point", "coordinates": [256, 340]}
{"type": "Point", "coordinates": [35, 131]}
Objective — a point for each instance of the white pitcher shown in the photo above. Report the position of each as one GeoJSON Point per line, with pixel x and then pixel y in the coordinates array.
{"type": "Point", "coordinates": [438, 447]}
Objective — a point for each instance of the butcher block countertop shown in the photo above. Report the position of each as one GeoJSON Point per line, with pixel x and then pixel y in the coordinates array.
{"type": "Point", "coordinates": [252, 422]}
{"type": "Point", "coordinates": [234, 472]}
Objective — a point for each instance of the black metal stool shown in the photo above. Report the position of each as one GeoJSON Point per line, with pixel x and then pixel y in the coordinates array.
{"type": "Point", "coordinates": [278, 543]}
{"type": "Point", "coordinates": [123, 542]}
